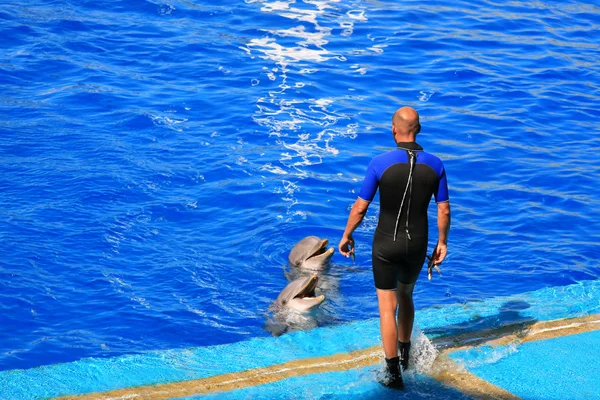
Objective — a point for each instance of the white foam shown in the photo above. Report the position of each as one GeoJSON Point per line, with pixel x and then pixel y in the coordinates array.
{"type": "Point", "coordinates": [490, 355]}
{"type": "Point", "coordinates": [378, 48]}
{"type": "Point", "coordinates": [422, 354]}
{"type": "Point", "coordinates": [273, 169]}
{"type": "Point", "coordinates": [167, 122]}
{"type": "Point", "coordinates": [272, 50]}
{"type": "Point", "coordinates": [358, 15]}
{"type": "Point", "coordinates": [425, 96]}
{"type": "Point", "coordinates": [280, 111]}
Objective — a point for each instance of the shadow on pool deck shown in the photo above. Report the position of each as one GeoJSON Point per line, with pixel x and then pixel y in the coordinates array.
{"type": "Point", "coordinates": [508, 321]}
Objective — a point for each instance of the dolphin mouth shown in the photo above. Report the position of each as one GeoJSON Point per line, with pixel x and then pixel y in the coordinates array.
{"type": "Point", "coordinates": [308, 290]}
{"type": "Point", "coordinates": [320, 249]}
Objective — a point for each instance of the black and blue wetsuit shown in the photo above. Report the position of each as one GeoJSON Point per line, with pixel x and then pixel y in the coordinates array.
{"type": "Point", "coordinates": [407, 177]}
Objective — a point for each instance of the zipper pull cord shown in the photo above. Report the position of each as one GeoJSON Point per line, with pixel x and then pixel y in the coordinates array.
{"type": "Point", "coordinates": [412, 164]}
{"type": "Point", "coordinates": [411, 155]}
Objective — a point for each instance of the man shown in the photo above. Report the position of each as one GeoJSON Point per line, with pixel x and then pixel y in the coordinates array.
{"type": "Point", "coordinates": [407, 177]}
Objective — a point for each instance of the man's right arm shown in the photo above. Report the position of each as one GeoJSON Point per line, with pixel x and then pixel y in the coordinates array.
{"type": "Point", "coordinates": [359, 209]}
{"type": "Point", "coordinates": [443, 222]}
{"type": "Point", "coordinates": [358, 212]}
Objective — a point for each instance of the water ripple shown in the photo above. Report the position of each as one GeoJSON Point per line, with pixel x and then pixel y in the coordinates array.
{"type": "Point", "coordinates": [160, 159]}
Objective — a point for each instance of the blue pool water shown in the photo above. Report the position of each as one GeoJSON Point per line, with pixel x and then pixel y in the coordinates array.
{"type": "Point", "coordinates": [160, 159]}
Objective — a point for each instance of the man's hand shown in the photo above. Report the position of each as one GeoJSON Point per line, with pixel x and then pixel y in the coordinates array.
{"type": "Point", "coordinates": [439, 253]}
{"type": "Point", "coordinates": [359, 209]}
{"type": "Point", "coordinates": [346, 246]}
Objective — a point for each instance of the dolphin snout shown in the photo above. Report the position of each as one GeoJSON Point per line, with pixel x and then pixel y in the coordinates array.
{"type": "Point", "coordinates": [299, 294]}
{"type": "Point", "coordinates": [311, 253]}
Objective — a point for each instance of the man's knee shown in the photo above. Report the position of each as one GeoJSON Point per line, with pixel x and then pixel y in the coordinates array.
{"type": "Point", "coordinates": [387, 300]}
{"type": "Point", "coordinates": [405, 290]}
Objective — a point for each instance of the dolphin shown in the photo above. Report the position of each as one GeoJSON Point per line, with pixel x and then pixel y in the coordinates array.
{"type": "Point", "coordinates": [299, 295]}
{"type": "Point", "coordinates": [311, 253]}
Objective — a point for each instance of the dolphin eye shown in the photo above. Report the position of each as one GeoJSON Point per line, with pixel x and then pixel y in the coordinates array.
{"type": "Point", "coordinates": [283, 302]}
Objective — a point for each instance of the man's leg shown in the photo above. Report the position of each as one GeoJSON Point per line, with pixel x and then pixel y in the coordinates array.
{"type": "Point", "coordinates": [389, 335]}
{"type": "Point", "coordinates": [387, 321]}
{"type": "Point", "coordinates": [406, 318]}
{"type": "Point", "coordinates": [406, 311]}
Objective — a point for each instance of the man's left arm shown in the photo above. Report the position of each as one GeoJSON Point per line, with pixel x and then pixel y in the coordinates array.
{"type": "Point", "coordinates": [443, 219]}
{"type": "Point", "coordinates": [443, 222]}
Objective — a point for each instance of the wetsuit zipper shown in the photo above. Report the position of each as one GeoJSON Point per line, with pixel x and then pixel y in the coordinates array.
{"type": "Point", "coordinates": [411, 156]}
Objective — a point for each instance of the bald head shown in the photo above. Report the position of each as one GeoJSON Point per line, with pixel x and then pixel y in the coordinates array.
{"type": "Point", "coordinates": [405, 124]}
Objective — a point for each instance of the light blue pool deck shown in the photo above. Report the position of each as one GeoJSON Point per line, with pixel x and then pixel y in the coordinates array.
{"type": "Point", "coordinates": [559, 368]}
{"type": "Point", "coordinates": [562, 368]}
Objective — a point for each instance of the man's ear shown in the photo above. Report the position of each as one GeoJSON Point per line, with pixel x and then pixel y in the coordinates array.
{"type": "Point", "coordinates": [418, 127]}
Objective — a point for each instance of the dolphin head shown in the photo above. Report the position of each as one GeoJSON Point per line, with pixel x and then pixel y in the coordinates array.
{"type": "Point", "coordinates": [299, 294]}
{"type": "Point", "coordinates": [311, 253]}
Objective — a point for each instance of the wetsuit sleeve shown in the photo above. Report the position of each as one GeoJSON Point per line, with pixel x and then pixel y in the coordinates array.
{"type": "Point", "coordinates": [370, 184]}
{"type": "Point", "coordinates": [441, 193]}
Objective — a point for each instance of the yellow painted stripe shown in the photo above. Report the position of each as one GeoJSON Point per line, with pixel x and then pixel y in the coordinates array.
{"type": "Point", "coordinates": [529, 333]}
{"type": "Point", "coordinates": [238, 380]}
{"type": "Point", "coordinates": [451, 374]}
{"type": "Point", "coordinates": [445, 370]}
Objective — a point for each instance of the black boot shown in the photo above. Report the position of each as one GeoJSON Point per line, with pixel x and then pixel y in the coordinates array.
{"type": "Point", "coordinates": [394, 377]}
{"type": "Point", "coordinates": [404, 350]}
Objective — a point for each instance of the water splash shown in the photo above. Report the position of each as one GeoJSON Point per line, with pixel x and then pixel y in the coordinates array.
{"type": "Point", "coordinates": [422, 353]}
